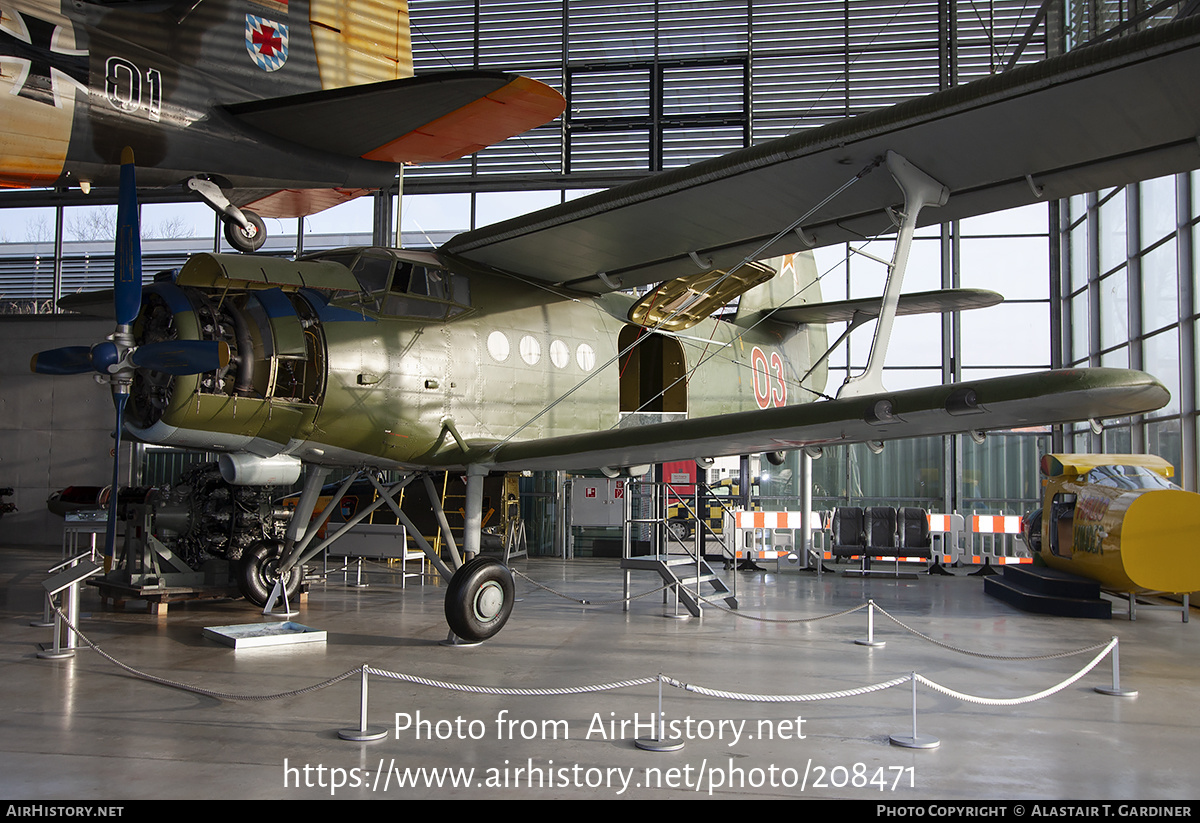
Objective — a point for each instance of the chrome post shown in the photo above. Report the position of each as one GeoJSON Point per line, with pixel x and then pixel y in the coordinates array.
{"type": "Point", "coordinates": [1115, 690]}
{"type": "Point", "coordinates": [916, 741]}
{"type": "Point", "coordinates": [362, 732]}
{"type": "Point", "coordinates": [870, 639]}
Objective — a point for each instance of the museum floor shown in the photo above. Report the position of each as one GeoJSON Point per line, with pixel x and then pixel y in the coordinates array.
{"type": "Point", "coordinates": [85, 729]}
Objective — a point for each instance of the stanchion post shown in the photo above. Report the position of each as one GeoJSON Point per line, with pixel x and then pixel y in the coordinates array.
{"type": "Point", "coordinates": [870, 639]}
{"type": "Point", "coordinates": [916, 741]}
{"type": "Point", "coordinates": [70, 576]}
{"type": "Point", "coordinates": [1115, 690]}
{"type": "Point", "coordinates": [362, 732]}
{"type": "Point", "coordinates": [656, 743]}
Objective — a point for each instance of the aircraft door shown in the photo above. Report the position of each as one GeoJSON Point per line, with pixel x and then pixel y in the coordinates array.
{"type": "Point", "coordinates": [652, 374]}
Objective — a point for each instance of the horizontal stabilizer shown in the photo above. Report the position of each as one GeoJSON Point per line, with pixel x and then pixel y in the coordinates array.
{"type": "Point", "coordinates": [926, 302]}
{"type": "Point", "coordinates": [999, 403]}
{"type": "Point", "coordinates": [413, 120]}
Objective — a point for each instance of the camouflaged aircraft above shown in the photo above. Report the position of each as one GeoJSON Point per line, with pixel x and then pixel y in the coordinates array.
{"type": "Point", "coordinates": [517, 346]}
{"type": "Point", "coordinates": [261, 108]}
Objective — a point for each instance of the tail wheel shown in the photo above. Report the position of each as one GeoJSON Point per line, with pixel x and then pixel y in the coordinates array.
{"type": "Point", "coordinates": [249, 239]}
{"type": "Point", "coordinates": [479, 599]}
{"type": "Point", "coordinates": [258, 571]}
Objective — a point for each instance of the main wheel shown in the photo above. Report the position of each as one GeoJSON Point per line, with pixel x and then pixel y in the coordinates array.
{"type": "Point", "coordinates": [258, 570]}
{"type": "Point", "coordinates": [249, 239]}
{"type": "Point", "coordinates": [479, 599]}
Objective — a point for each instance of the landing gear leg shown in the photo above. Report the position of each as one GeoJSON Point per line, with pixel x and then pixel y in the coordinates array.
{"type": "Point", "coordinates": [244, 230]}
{"type": "Point", "coordinates": [480, 596]}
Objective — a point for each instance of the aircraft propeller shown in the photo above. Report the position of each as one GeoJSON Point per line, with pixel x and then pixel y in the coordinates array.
{"type": "Point", "coordinates": [118, 357]}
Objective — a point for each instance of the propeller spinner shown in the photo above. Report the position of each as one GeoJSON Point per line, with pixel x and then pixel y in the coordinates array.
{"type": "Point", "coordinates": [117, 358]}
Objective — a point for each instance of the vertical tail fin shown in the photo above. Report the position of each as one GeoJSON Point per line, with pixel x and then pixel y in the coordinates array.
{"type": "Point", "coordinates": [794, 283]}
{"type": "Point", "coordinates": [361, 41]}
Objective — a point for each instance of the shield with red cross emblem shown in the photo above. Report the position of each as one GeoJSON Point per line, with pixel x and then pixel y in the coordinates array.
{"type": "Point", "coordinates": [267, 42]}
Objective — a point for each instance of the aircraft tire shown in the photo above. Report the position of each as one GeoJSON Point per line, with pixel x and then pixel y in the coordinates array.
{"type": "Point", "coordinates": [258, 569]}
{"type": "Point", "coordinates": [479, 599]}
{"type": "Point", "coordinates": [243, 240]}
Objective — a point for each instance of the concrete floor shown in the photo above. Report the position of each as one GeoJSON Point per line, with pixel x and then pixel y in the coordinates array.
{"type": "Point", "coordinates": [84, 729]}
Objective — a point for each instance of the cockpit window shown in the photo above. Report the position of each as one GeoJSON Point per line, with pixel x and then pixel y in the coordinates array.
{"type": "Point", "coordinates": [1128, 477]}
{"type": "Point", "coordinates": [372, 272]}
{"type": "Point", "coordinates": [403, 288]}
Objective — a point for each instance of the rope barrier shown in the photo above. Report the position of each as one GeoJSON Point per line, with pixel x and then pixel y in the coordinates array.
{"type": "Point", "coordinates": [786, 698]}
{"type": "Point", "coordinates": [1016, 701]}
{"type": "Point", "coordinates": [948, 647]}
{"type": "Point", "coordinates": [497, 690]}
{"type": "Point", "coordinates": [1105, 649]}
{"type": "Point", "coordinates": [631, 598]}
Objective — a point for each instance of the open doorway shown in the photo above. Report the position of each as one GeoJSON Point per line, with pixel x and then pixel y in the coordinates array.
{"type": "Point", "coordinates": [652, 373]}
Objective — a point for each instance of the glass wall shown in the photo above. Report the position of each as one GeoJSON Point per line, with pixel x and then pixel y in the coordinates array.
{"type": "Point", "coordinates": [1128, 285]}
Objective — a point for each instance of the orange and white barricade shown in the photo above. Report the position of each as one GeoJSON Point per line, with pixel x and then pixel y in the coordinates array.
{"type": "Point", "coordinates": [945, 532]}
{"type": "Point", "coordinates": [994, 540]}
{"type": "Point", "coordinates": [770, 535]}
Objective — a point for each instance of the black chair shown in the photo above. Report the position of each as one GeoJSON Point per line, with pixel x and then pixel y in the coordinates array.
{"type": "Point", "coordinates": [849, 532]}
{"type": "Point", "coordinates": [915, 538]}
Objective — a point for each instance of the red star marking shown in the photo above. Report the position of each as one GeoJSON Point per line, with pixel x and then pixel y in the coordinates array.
{"type": "Point", "coordinates": [267, 41]}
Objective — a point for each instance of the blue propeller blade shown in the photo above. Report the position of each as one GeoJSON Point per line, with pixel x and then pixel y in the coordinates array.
{"type": "Point", "coordinates": [110, 537]}
{"type": "Point", "coordinates": [182, 356]}
{"type": "Point", "coordinates": [127, 282]}
{"type": "Point", "coordinates": [67, 360]}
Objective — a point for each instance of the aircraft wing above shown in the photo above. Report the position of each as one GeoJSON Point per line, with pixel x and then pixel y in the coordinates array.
{"type": "Point", "coordinates": [414, 120]}
{"type": "Point", "coordinates": [1124, 110]}
{"type": "Point", "coordinates": [994, 404]}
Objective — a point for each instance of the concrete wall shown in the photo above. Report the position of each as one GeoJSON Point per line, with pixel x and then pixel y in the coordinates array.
{"type": "Point", "coordinates": [54, 431]}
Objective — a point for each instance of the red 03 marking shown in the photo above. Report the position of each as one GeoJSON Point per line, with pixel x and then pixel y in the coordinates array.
{"type": "Point", "coordinates": [769, 388]}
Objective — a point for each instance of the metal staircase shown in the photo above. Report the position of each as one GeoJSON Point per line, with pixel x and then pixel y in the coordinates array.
{"type": "Point", "coordinates": [686, 573]}
{"type": "Point", "coordinates": [688, 589]}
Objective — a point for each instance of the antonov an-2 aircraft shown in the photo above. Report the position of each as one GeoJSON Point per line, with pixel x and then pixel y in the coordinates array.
{"type": "Point", "coordinates": [515, 346]}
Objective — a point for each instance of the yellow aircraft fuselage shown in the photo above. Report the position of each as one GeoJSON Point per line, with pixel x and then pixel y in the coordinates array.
{"type": "Point", "coordinates": [1118, 520]}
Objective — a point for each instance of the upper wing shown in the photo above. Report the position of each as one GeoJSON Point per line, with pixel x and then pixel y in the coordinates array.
{"type": "Point", "coordinates": [414, 120]}
{"type": "Point", "coordinates": [997, 403]}
{"type": "Point", "coordinates": [1121, 111]}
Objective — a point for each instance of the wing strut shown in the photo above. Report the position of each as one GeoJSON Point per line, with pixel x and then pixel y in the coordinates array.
{"type": "Point", "coordinates": [919, 190]}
